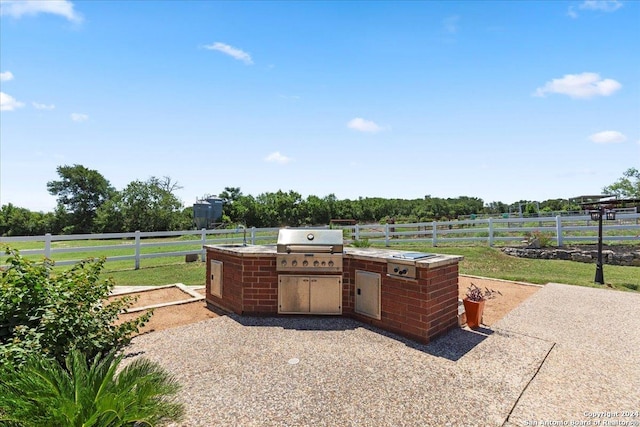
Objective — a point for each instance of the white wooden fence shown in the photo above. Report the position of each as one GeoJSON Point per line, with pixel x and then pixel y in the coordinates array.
{"type": "Point", "coordinates": [138, 244]}
{"type": "Point", "coordinates": [560, 230]}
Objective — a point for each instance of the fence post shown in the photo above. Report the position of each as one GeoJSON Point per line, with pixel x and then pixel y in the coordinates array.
{"type": "Point", "coordinates": [203, 238]}
{"type": "Point", "coordinates": [559, 230]}
{"type": "Point", "coordinates": [386, 234]}
{"type": "Point", "coordinates": [490, 231]}
{"type": "Point", "coordinates": [357, 232]}
{"type": "Point", "coordinates": [434, 234]}
{"type": "Point", "coordinates": [137, 263]}
{"type": "Point", "coordinates": [253, 235]}
{"type": "Point", "coordinates": [47, 245]}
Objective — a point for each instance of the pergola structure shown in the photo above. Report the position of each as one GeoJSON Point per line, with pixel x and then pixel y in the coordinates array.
{"type": "Point", "coordinates": [604, 208]}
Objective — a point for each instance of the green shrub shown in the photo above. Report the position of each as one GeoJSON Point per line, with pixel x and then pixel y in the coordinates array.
{"type": "Point", "coordinates": [362, 243]}
{"type": "Point", "coordinates": [544, 239]}
{"type": "Point", "coordinates": [49, 312]}
{"type": "Point", "coordinates": [44, 392]}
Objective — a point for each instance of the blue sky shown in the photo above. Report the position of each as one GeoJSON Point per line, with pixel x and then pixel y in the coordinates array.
{"type": "Point", "coordinates": [504, 101]}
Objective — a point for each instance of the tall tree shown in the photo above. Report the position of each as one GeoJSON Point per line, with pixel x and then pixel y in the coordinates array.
{"type": "Point", "coordinates": [80, 192]}
{"type": "Point", "coordinates": [150, 206]}
{"type": "Point", "coordinates": [627, 186]}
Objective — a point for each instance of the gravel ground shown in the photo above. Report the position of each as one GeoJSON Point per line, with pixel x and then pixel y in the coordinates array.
{"type": "Point", "coordinates": [242, 372]}
{"type": "Point", "coordinates": [543, 362]}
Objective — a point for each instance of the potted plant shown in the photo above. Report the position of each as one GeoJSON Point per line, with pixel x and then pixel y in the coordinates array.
{"type": "Point", "coordinates": [474, 304]}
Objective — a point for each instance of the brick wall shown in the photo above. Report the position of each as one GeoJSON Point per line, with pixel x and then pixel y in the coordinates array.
{"type": "Point", "coordinates": [260, 285]}
{"type": "Point", "coordinates": [250, 284]}
{"type": "Point", "coordinates": [419, 309]}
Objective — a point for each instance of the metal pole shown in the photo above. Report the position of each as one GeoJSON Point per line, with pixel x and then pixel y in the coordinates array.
{"type": "Point", "coordinates": [599, 273]}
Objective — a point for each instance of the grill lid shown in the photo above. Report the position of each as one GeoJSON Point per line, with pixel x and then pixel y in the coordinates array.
{"type": "Point", "coordinates": [309, 240]}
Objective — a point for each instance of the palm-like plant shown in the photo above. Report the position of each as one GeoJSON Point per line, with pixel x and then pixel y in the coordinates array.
{"type": "Point", "coordinates": [45, 393]}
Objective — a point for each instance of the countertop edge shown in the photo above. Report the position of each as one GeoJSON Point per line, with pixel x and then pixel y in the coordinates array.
{"type": "Point", "coordinates": [374, 254]}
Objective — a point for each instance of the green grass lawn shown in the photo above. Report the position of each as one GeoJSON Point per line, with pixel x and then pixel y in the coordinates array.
{"type": "Point", "coordinates": [478, 261]}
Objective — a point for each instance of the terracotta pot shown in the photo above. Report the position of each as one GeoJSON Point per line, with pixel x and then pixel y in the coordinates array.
{"type": "Point", "coordinates": [473, 310]}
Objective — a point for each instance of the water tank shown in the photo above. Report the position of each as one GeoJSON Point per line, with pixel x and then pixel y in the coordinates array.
{"type": "Point", "coordinates": [207, 212]}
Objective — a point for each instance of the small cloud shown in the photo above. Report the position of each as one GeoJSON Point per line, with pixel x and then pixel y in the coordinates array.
{"type": "Point", "coordinates": [450, 24]}
{"type": "Point", "coordinates": [363, 125]}
{"type": "Point", "coordinates": [608, 137]}
{"type": "Point", "coordinates": [9, 103]}
{"type": "Point", "coordinates": [18, 8]}
{"type": "Point", "coordinates": [585, 85]}
{"type": "Point", "coordinates": [78, 117]}
{"type": "Point", "coordinates": [39, 106]}
{"type": "Point", "coordinates": [6, 76]}
{"type": "Point", "coordinates": [597, 5]}
{"type": "Point", "coordinates": [235, 53]}
{"type": "Point", "coordinates": [601, 5]}
{"type": "Point", "coordinates": [276, 157]}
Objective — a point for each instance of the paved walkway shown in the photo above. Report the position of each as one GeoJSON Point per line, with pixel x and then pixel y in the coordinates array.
{"type": "Point", "coordinates": [594, 365]}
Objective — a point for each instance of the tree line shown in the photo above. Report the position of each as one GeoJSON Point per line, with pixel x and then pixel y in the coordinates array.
{"type": "Point", "coordinates": [88, 203]}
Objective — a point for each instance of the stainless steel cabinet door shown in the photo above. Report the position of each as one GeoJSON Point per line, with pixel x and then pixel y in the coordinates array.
{"type": "Point", "coordinates": [293, 294]}
{"type": "Point", "coordinates": [215, 279]}
{"type": "Point", "coordinates": [367, 298]}
{"type": "Point", "coordinates": [325, 294]}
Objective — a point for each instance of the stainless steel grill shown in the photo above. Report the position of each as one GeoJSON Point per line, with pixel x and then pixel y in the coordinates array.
{"type": "Point", "coordinates": [313, 250]}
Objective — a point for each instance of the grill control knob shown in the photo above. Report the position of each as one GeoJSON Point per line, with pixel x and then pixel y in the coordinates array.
{"type": "Point", "coordinates": [294, 263]}
{"type": "Point", "coordinates": [283, 262]}
{"type": "Point", "coordinates": [330, 263]}
{"type": "Point", "coordinates": [403, 271]}
{"type": "Point", "coordinates": [305, 262]}
{"type": "Point", "coordinates": [324, 263]}
{"type": "Point", "coordinates": [395, 269]}
{"type": "Point", "coordinates": [316, 263]}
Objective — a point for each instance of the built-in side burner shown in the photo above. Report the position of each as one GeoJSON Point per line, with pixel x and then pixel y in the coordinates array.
{"type": "Point", "coordinates": [404, 264]}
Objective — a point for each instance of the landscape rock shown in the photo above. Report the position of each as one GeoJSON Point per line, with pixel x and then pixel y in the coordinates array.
{"type": "Point", "coordinates": [614, 255]}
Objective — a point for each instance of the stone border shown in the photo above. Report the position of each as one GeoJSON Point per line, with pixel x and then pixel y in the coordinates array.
{"type": "Point", "coordinates": [190, 290]}
{"type": "Point", "coordinates": [625, 258]}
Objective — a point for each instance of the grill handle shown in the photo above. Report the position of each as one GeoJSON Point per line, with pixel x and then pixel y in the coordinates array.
{"type": "Point", "coordinates": [309, 249]}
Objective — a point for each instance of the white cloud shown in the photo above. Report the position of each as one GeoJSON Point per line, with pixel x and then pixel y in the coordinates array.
{"type": "Point", "coordinates": [276, 157]}
{"type": "Point", "coordinates": [585, 85]}
{"type": "Point", "coordinates": [597, 5]}
{"type": "Point", "coordinates": [39, 106]}
{"type": "Point", "coordinates": [9, 103]}
{"type": "Point", "coordinates": [451, 24]}
{"type": "Point", "coordinates": [602, 5]}
{"type": "Point", "coordinates": [608, 137]}
{"type": "Point", "coordinates": [6, 76]}
{"type": "Point", "coordinates": [79, 117]}
{"type": "Point", "coordinates": [235, 53]}
{"type": "Point", "coordinates": [18, 8]}
{"type": "Point", "coordinates": [363, 125]}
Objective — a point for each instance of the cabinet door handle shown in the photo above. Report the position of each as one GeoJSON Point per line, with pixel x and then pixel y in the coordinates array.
{"type": "Point", "coordinates": [359, 291]}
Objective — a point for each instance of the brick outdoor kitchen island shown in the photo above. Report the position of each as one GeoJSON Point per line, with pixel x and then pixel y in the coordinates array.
{"type": "Point", "coordinates": [417, 298]}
